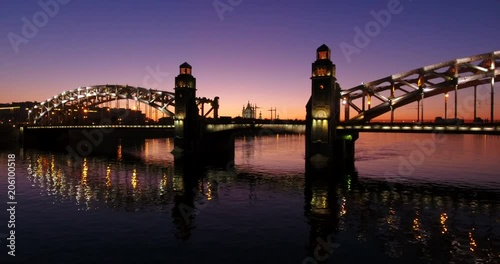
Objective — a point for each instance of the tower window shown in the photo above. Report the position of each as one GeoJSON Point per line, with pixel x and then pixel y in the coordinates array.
{"type": "Point", "coordinates": [321, 72]}
{"type": "Point", "coordinates": [323, 55]}
{"type": "Point", "coordinates": [185, 68]}
{"type": "Point", "coordinates": [185, 71]}
{"type": "Point", "coordinates": [323, 52]}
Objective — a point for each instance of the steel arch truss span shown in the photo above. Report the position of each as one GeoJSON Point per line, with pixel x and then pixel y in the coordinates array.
{"type": "Point", "coordinates": [401, 89]}
{"type": "Point", "coordinates": [91, 96]}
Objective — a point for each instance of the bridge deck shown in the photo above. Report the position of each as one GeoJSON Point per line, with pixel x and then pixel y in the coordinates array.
{"type": "Point", "coordinates": [98, 126]}
{"type": "Point", "coordinates": [300, 128]}
{"type": "Point", "coordinates": [424, 128]}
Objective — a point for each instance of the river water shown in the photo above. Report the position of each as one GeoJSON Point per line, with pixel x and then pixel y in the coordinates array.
{"type": "Point", "coordinates": [413, 198]}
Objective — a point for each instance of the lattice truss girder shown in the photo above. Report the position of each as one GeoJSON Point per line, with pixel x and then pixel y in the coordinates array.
{"type": "Point", "coordinates": [401, 89]}
{"type": "Point", "coordinates": [91, 96]}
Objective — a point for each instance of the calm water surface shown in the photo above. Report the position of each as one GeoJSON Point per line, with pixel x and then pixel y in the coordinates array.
{"type": "Point", "coordinates": [412, 199]}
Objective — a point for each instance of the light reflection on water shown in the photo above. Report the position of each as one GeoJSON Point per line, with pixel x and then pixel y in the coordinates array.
{"type": "Point", "coordinates": [444, 211]}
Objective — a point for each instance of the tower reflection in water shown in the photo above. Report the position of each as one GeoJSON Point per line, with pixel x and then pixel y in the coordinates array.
{"type": "Point", "coordinates": [322, 211]}
{"type": "Point", "coordinates": [350, 218]}
{"type": "Point", "coordinates": [405, 222]}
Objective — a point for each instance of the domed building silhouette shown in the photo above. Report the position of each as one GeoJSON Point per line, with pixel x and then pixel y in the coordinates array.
{"type": "Point", "coordinates": [250, 111]}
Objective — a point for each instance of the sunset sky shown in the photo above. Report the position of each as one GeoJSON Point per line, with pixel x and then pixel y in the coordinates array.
{"type": "Point", "coordinates": [255, 50]}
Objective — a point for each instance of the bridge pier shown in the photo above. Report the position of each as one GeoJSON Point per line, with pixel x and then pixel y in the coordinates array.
{"type": "Point", "coordinates": [326, 147]}
{"type": "Point", "coordinates": [344, 147]}
{"type": "Point", "coordinates": [45, 138]}
{"type": "Point", "coordinates": [339, 153]}
{"type": "Point", "coordinates": [191, 138]}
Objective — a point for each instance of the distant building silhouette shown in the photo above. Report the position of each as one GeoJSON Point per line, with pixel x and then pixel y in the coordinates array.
{"type": "Point", "coordinates": [15, 113]}
{"type": "Point", "coordinates": [166, 120]}
{"type": "Point", "coordinates": [250, 111]}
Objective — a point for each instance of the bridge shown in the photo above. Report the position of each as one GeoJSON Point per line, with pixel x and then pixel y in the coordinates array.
{"type": "Point", "coordinates": [88, 97]}
{"type": "Point", "coordinates": [330, 140]}
{"type": "Point", "coordinates": [197, 127]}
{"type": "Point", "coordinates": [398, 90]}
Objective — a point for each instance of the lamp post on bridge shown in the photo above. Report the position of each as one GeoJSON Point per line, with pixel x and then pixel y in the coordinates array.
{"type": "Point", "coordinates": [418, 111]}
{"type": "Point", "coordinates": [446, 106]}
{"type": "Point", "coordinates": [346, 109]}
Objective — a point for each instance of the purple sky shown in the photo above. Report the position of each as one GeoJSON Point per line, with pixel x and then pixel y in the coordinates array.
{"type": "Point", "coordinates": [259, 51]}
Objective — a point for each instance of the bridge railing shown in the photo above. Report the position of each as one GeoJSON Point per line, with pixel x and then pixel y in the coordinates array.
{"type": "Point", "coordinates": [96, 126]}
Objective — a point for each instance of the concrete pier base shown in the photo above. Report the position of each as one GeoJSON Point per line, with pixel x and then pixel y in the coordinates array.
{"type": "Point", "coordinates": [213, 148]}
{"type": "Point", "coordinates": [340, 154]}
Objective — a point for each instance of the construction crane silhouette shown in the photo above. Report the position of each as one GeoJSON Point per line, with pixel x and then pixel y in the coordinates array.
{"type": "Point", "coordinates": [272, 110]}
{"type": "Point", "coordinates": [255, 107]}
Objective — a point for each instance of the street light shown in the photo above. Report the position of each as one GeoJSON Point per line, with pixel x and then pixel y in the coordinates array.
{"type": "Point", "coordinates": [446, 106]}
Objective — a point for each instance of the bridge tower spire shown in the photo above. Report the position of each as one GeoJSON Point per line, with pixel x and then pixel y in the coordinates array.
{"type": "Point", "coordinates": [187, 123]}
{"type": "Point", "coordinates": [324, 146]}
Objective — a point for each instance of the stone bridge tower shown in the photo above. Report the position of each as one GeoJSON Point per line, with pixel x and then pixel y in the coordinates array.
{"type": "Point", "coordinates": [324, 145]}
{"type": "Point", "coordinates": [186, 120]}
